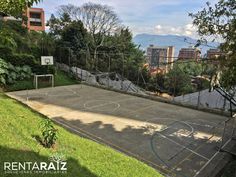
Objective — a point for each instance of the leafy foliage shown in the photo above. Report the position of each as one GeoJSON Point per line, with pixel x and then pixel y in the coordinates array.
{"type": "Point", "coordinates": [16, 37]}
{"type": "Point", "coordinates": [49, 133]}
{"type": "Point", "coordinates": [21, 47]}
{"type": "Point", "coordinates": [3, 72]}
{"type": "Point", "coordinates": [220, 20]}
{"type": "Point", "coordinates": [7, 40]}
{"type": "Point", "coordinates": [97, 50]}
{"type": "Point", "coordinates": [15, 8]}
{"type": "Point", "coordinates": [74, 36]}
{"type": "Point", "coordinates": [22, 59]}
{"type": "Point", "coordinates": [191, 68]}
{"type": "Point", "coordinates": [16, 73]}
{"type": "Point", "coordinates": [178, 82]}
{"type": "Point", "coordinates": [9, 74]}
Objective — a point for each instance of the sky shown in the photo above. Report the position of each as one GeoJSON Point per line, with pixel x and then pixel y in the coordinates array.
{"type": "Point", "coordinates": [145, 16]}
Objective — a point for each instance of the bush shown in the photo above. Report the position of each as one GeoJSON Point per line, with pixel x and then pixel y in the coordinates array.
{"type": "Point", "coordinates": [49, 133]}
{"type": "Point", "coordinates": [22, 59]}
{"type": "Point", "coordinates": [14, 26]}
{"type": "Point", "coordinates": [39, 69]}
{"type": "Point", "coordinates": [9, 74]}
{"type": "Point", "coordinates": [5, 52]}
{"type": "Point", "coordinates": [3, 72]}
{"type": "Point", "coordinates": [16, 73]}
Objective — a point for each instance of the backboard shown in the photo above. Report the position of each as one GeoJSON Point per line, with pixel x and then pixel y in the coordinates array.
{"type": "Point", "coordinates": [46, 60]}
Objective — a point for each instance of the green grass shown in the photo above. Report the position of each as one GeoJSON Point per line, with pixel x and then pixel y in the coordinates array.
{"type": "Point", "coordinates": [85, 158]}
{"type": "Point", "coordinates": [61, 79]}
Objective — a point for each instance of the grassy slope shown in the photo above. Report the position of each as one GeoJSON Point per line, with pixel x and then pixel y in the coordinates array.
{"type": "Point", "coordinates": [60, 79]}
{"type": "Point", "coordinates": [85, 158]}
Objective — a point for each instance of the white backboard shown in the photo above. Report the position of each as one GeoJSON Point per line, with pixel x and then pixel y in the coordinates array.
{"type": "Point", "coordinates": [46, 60]}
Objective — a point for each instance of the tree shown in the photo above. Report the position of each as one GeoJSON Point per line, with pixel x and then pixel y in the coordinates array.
{"type": "Point", "coordinates": [71, 38]}
{"type": "Point", "coordinates": [99, 20]}
{"type": "Point", "coordinates": [178, 82]}
{"type": "Point", "coordinates": [124, 56]}
{"type": "Point", "coordinates": [220, 20]}
{"type": "Point", "coordinates": [105, 38]}
{"type": "Point", "coordinates": [15, 8]}
{"type": "Point", "coordinates": [73, 35]}
{"type": "Point", "coordinates": [56, 25]}
{"type": "Point", "coordinates": [46, 43]}
{"type": "Point", "coordinates": [191, 68]}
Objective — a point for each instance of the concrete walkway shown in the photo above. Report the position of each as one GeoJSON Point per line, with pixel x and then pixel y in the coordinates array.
{"type": "Point", "coordinates": [172, 139]}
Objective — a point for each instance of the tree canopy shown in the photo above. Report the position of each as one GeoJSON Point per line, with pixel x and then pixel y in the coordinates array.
{"type": "Point", "coordinates": [92, 36]}
{"type": "Point", "coordinates": [15, 7]}
{"type": "Point", "coordinates": [220, 20]}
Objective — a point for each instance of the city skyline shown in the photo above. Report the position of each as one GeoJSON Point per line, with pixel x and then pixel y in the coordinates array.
{"type": "Point", "coordinates": [152, 16]}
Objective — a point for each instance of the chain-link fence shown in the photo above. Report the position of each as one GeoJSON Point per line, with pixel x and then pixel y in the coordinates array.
{"type": "Point", "coordinates": [185, 81]}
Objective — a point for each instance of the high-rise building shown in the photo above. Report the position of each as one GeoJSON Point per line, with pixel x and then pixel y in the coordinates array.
{"type": "Point", "coordinates": [160, 57]}
{"type": "Point", "coordinates": [214, 53]}
{"type": "Point", "coordinates": [189, 53]}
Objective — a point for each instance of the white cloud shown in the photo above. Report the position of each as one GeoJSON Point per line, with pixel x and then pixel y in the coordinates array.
{"type": "Point", "coordinates": [187, 30]}
{"type": "Point", "coordinates": [158, 27]}
{"type": "Point", "coordinates": [141, 16]}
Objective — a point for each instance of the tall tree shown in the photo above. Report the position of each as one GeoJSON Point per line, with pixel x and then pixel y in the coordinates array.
{"type": "Point", "coordinates": [220, 20]}
{"type": "Point", "coordinates": [56, 25]}
{"type": "Point", "coordinates": [73, 35]}
{"type": "Point", "coordinates": [99, 20]}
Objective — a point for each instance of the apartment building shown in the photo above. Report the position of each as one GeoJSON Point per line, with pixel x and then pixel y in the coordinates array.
{"type": "Point", "coordinates": [36, 19]}
{"type": "Point", "coordinates": [160, 57]}
{"type": "Point", "coordinates": [189, 53]}
{"type": "Point", "coordinates": [214, 53]}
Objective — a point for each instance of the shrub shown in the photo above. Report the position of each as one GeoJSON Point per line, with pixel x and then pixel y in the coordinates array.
{"type": "Point", "coordinates": [49, 133]}
{"type": "Point", "coordinates": [9, 74]}
{"type": "Point", "coordinates": [39, 69]}
{"type": "Point", "coordinates": [14, 26]}
{"type": "Point", "coordinates": [3, 72]}
{"type": "Point", "coordinates": [16, 73]}
{"type": "Point", "coordinates": [22, 59]}
{"type": "Point", "coordinates": [5, 52]}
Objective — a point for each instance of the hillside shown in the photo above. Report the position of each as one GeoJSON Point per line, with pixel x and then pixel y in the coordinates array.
{"type": "Point", "coordinates": [144, 40]}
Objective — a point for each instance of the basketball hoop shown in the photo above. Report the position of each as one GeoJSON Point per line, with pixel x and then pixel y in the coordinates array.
{"type": "Point", "coordinates": [46, 60]}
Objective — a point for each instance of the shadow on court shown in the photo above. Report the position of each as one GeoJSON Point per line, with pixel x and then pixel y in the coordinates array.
{"type": "Point", "coordinates": [173, 139]}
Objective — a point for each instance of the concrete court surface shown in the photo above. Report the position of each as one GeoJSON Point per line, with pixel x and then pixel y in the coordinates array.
{"type": "Point", "coordinates": [175, 140]}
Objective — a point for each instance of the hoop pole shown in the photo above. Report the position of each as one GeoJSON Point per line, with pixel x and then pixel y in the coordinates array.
{"type": "Point", "coordinates": [36, 80]}
{"type": "Point", "coordinates": [52, 80]}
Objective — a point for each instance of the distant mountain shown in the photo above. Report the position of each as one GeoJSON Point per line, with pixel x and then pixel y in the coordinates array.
{"type": "Point", "coordinates": [144, 40]}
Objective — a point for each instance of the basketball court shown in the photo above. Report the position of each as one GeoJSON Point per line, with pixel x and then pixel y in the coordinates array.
{"type": "Point", "coordinates": [175, 140]}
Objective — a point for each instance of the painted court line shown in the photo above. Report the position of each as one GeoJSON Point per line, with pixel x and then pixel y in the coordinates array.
{"type": "Point", "coordinates": [102, 105]}
{"type": "Point", "coordinates": [184, 146]}
{"type": "Point", "coordinates": [197, 148]}
{"type": "Point", "coordinates": [117, 105]}
{"type": "Point", "coordinates": [94, 138]}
